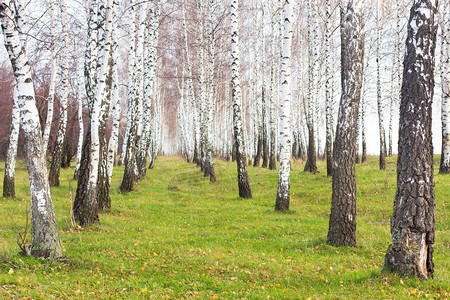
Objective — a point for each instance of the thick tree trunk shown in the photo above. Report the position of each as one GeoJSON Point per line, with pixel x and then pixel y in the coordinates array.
{"type": "Point", "coordinates": [243, 182]}
{"type": "Point", "coordinates": [342, 225]}
{"type": "Point", "coordinates": [45, 240]}
{"type": "Point", "coordinates": [413, 220]}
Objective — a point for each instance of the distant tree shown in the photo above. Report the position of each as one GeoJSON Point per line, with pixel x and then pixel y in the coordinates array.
{"type": "Point", "coordinates": [379, 94]}
{"type": "Point", "coordinates": [445, 82]}
{"type": "Point", "coordinates": [57, 154]}
{"type": "Point", "coordinates": [412, 222]}
{"type": "Point", "coordinates": [342, 225]}
{"type": "Point", "coordinates": [45, 240]}
{"type": "Point", "coordinates": [311, 165]}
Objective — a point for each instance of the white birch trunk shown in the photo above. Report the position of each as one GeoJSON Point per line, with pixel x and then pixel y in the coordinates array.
{"type": "Point", "coordinates": [115, 100]}
{"type": "Point", "coordinates": [100, 93]}
{"type": "Point", "coordinates": [243, 182]}
{"type": "Point", "coordinates": [10, 163]}
{"type": "Point", "coordinates": [379, 96]}
{"type": "Point", "coordinates": [45, 240]}
{"type": "Point", "coordinates": [81, 91]}
{"type": "Point", "coordinates": [63, 104]}
{"type": "Point", "coordinates": [283, 193]}
{"type": "Point", "coordinates": [445, 83]}
{"type": "Point", "coordinates": [51, 93]}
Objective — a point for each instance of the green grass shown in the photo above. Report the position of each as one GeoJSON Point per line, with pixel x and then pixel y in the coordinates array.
{"type": "Point", "coordinates": [179, 236]}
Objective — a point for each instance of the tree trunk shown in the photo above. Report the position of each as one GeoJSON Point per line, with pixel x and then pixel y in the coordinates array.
{"type": "Point", "coordinates": [243, 182]}
{"type": "Point", "coordinates": [311, 165]}
{"type": "Point", "coordinates": [57, 156]}
{"type": "Point", "coordinates": [51, 92]}
{"type": "Point", "coordinates": [284, 177]}
{"type": "Point", "coordinates": [9, 190]}
{"type": "Point", "coordinates": [412, 221]}
{"type": "Point", "coordinates": [45, 240]}
{"type": "Point", "coordinates": [379, 96]}
{"type": "Point", "coordinates": [328, 97]}
{"type": "Point", "coordinates": [444, 167]}
{"type": "Point", "coordinates": [342, 225]}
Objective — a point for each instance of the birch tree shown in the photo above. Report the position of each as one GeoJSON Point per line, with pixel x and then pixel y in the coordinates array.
{"type": "Point", "coordinates": [328, 97]}
{"type": "Point", "coordinates": [379, 96]}
{"type": "Point", "coordinates": [55, 166]}
{"type": "Point", "coordinates": [80, 120]}
{"type": "Point", "coordinates": [134, 95]}
{"type": "Point", "coordinates": [115, 100]}
{"type": "Point", "coordinates": [45, 240]}
{"type": "Point", "coordinates": [444, 167]}
{"type": "Point", "coordinates": [413, 219]}
{"type": "Point", "coordinates": [342, 224]}
{"type": "Point", "coordinates": [9, 190]}
{"type": "Point", "coordinates": [284, 177]}
{"type": "Point", "coordinates": [243, 182]}
{"type": "Point", "coordinates": [87, 212]}
{"type": "Point", "coordinates": [51, 93]}
{"type": "Point", "coordinates": [311, 165]}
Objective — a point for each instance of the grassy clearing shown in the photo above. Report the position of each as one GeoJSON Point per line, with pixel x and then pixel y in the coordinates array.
{"type": "Point", "coordinates": [178, 236]}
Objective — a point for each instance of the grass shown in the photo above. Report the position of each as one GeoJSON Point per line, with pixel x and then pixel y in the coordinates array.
{"type": "Point", "coordinates": [179, 236]}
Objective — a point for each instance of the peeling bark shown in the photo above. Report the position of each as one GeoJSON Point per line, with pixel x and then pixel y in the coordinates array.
{"type": "Point", "coordinates": [413, 219]}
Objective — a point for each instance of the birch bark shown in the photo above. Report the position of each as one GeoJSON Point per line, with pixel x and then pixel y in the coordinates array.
{"type": "Point", "coordinates": [444, 167]}
{"type": "Point", "coordinates": [243, 182]}
{"type": "Point", "coordinates": [284, 185]}
{"type": "Point", "coordinates": [342, 225]}
{"type": "Point", "coordinates": [45, 240]}
{"type": "Point", "coordinates": [9, 190]}
{"type": "Point", "coordinates": [55, 166]}
{"type": "Point", "coordinates": [51, 93]}
{"type": "Point", "coordinates": [413, 218]}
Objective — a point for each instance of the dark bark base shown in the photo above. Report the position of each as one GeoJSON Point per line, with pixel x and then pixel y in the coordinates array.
{"type": "Point", "coordinates": [272, 163]}
{"type": "Point", "coordinates": [282, 204]}
{"type": "Point", "coordinates": [9, 190]}
{"type": "Point", "coordinates": [443, 169]}
{"type": "Point", "coordinates": [257, 158]}
{"type": "Point", "coordinates": [84, 213]}
{"type": "Point", "coordinates": [405, 262]}
{"type": "Point", "coordinates": [55, 167]}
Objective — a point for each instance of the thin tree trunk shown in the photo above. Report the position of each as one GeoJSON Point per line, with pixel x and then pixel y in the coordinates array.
{"type": "Point", "coordinates": [80, 122]}
{"type": "Point", "coordinates": [379, 96]}
{"type": "Point", "coordinates": [413, 219]}
{"type": "Point", "coordinates": [328, 97]}
{"type": "Point", "coordinates": [311, 165]}
{"type": "Point", "coordinates": [57, 155]}
{"type": "Point", "coordinates": [243, 182]}
{"type": "Point", "coordinates": [9, 190]}
{"type": "Point", "coordinates": [51, 93]}
{"type": "Point", "coordinates": [444, 167]}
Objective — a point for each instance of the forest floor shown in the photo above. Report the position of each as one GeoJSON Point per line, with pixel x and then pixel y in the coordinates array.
{"type": "Point", "coordinates": [179, 236]}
